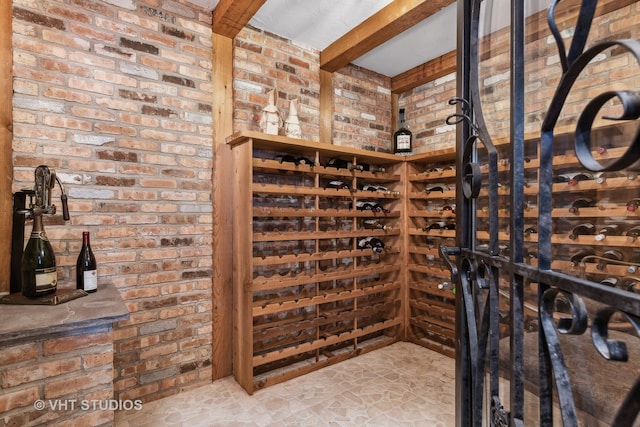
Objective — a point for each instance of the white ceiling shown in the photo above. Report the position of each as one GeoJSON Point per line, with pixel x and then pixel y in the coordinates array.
{"type": "Point", "coordinates": [318, 23]}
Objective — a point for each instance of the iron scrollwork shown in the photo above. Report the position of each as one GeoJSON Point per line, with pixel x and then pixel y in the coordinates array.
{"type": "Point", "coordinates": [478, 272]}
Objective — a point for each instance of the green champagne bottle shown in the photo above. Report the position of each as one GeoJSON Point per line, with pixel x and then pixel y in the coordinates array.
{"type": "Point", "coordinates": [39, 274]}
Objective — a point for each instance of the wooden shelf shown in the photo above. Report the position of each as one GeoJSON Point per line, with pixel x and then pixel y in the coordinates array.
{"type": "Point", "coordinates": [299, 308]}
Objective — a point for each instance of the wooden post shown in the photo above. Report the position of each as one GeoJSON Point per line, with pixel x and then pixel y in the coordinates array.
{"type": "Point", "coordinates": [6, 128]}
{"type": "Point", "coordinates": [222, 206]}
{"type": "Point", "coordinates": [326, 107]}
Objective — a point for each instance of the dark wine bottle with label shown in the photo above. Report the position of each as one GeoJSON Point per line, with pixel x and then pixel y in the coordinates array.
{"type": "Point", "coordinates": [402, 138]}
{"type": "Point", "coordinates": [373, 243]}
{"type": "Point", "coordinates": [633, 233]}
{"type": "Point", "coordinates": [440, 225]}
{"type": "Point", "coordinates": [297, 160]}
{"type": "Point", "coordinates": [86, 267]}
{"type": "Point", "coordinates": [363, 205]}
{"type": "Point", "coordinates": [39, 273]}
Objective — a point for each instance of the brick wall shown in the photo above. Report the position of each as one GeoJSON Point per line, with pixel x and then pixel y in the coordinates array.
{"type": "Point", "coordinates": [116, 96]}
{"type": "Point", "coordinates": [66, 372]}
{"type": "Point", "coordinates": [361, 98]}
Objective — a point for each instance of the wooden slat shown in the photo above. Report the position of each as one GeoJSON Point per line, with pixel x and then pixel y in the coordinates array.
{"type": "Point", "coordinates": [231, 16]}
{"type": "Point", "coordinates": [222, 304]}
{"type": "Point", "coordinates": [424, 73]}
{"type": "Point", "coordinates": [387, 23]}
{"type": "Point", "coordinates": [6, 128]}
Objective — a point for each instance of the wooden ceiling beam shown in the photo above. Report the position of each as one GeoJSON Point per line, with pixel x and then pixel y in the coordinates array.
{"type": "Point", "coordinates": [231, 16]}
{"type": "Point", "coordinates": [387, 23]}
{"type": "Point", "coordinates": [424, 73]}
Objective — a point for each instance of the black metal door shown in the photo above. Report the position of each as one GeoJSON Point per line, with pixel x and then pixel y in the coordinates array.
{"type": "Point", "coordinates": [548, 321]}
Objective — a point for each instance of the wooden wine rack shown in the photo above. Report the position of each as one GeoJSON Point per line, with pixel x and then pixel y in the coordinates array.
{"type": "Point", "coordinates": [431, 315]}
{"type": "Point", "coordinates": [305, 295]}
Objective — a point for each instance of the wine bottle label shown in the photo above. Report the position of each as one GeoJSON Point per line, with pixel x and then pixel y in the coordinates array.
{"type": "Point", "coordinates": [39, 235]}
{"type": "Point", "coordinates": [90, 280]}
{"type": "Point", "coordinates": [46, 279]}
{"type": "Point", "coordinates": [404, 142]}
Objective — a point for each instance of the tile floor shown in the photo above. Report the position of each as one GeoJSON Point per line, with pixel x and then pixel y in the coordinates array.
{"type": "Point", "coordinates": [399, 385]}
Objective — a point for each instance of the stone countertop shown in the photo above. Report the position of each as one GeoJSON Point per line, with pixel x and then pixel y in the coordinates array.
{"type": "Point", "coordinates": [96, 309]}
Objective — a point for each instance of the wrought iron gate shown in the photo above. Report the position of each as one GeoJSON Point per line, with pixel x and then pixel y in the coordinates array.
{"type": "Point", "coordinates": [528, 313]}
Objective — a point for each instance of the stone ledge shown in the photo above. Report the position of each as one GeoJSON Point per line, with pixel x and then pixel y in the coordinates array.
{"type": "Point", "coordinates": [101, 308]}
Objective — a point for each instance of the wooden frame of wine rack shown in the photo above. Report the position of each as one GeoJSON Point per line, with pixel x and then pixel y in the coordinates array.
{"type": "Point", "coordinates": [301, 302]}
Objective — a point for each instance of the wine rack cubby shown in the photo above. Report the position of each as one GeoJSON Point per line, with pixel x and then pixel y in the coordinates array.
{"type": "Point", "coordinates": [310, 288]}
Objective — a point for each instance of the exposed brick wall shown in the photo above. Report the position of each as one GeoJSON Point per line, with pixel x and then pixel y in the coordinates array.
{"type": "Point", "coordinates": [66, 372]}
{"type": "Point", "coordinates": [362, 109]}
{"type": "Point", "coordinates": [426, 108]}
{"type": "Point", "coordinates": [116, 96]}
{"type": "Point", "coordinates": [264, 61]}
{"type": "Point", "coordinates": [361, 98]}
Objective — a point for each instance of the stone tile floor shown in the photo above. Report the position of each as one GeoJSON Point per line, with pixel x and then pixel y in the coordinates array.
{"type": "Point", "coordinates": [399, 385]}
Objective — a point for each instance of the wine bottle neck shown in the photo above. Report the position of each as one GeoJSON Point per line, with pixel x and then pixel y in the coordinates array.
{"type": "Point", "coordinates": [85, 238]}
{"type": "Point", "coordinates": [37, 224]}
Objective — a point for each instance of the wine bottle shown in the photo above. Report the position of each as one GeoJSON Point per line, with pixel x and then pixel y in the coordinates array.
{"type": "Point", "coordinates": [372, 168]}
{"type": "Point", "coordinates": [86, 267]}
{"type": "Point", "coordinates": [343, 164]}
{"type": "Point", "coordinates": [630, 284]}
{"type": "Point", "coordinates": [402, 138]}
{"type": "Point", "coordinates": [611, 254]}
{"type": "Point", "coordinates": [337, 184]}
{"type": "Point", "coordinates": [363, 205]}
{"type": "Point", "coordinates": [633, 233]}
{"type": "Point", "coordinates": [582, 202]}
{"type": "Point", "coordinates": [297, 160]}
{"type": "Point", "coordinates": [610, 281]}
{"type": "Point", "coordinates": [603, 148]}
{"type": "Point", "coordinates": [440, 225]}
{"type": "Point", "coordinates": [582, 176]}
{"type": "Point", "coordinates": [39, 272]}
{"type": "Point", "coordinates": [580, 255]}
{"type": "Point", "coordinates": [373, 243]}
{"type": "Point", "coordinates": [439, 187]}
{"type": "Point", "coordinates": [608, 230]}
{"type": "Point", "coordinates": [374, 224]}
{"type": "Point", "coordinates": [633, 205]}
{"type": "Point", "coordinates": [586, 228]}
{"type": "Point", "coordinates": [529, 231]}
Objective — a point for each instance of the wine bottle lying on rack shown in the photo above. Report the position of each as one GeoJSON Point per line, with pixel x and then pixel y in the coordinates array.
{"type": "Point", "coordinates": [374, 224]}
{"type": "Point", "coordinates": [611, 254]}
{"type": "Point", "coordinates": [608, 230]}
{"type": "Point", "coordinates": [366, 167]}
{"type": "Point", "coordinates": [529, 231]}
{"type": "Point", "coordinates": [373, 243]}
{"type": "Point", "coordinates": [582, 202]}
{"type": "Point", "coordinates": [633, 205]}
{"type": "Point", "coordinates": [440, 225]}
{"type": "Point", "coordinates": [376, 188]}
{"type": "Point", "coordinates": [437, 188]}
{"type": "Point", "coordinates": [584, 229]}
{"type": "Point", "coordinates": [343, 164]}
{"type": "Point", "coordinates": [633, 233]}
{"type": "Point", "coordinates": [338, 185]}
{"type": "Point", "coordinates": [363, 205]}
{"type": "Point", "coordinates": [297, 160]}
{"type": "Point", "coordinates": [577, 258]}
{"type": "Point", "coordinates": [631, 284]}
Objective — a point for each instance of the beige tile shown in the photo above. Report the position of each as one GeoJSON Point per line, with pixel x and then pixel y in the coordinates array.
{"type": "Point", "coordinates": [400, 385]}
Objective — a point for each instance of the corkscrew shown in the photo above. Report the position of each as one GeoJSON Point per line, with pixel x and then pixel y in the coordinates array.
{"type": "Point", "coordinates": [40, 202]}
